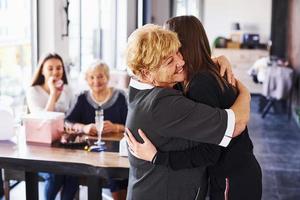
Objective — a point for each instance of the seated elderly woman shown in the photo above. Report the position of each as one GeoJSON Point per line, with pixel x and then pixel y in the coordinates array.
{"type": "Point", "coordinates": [114, 104]}
{"type": "Point", "coordinates": [171, 121]}
{"type": "Point", "coordinates": [111, 100]}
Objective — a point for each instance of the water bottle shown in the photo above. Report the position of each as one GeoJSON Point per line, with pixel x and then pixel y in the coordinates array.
{"type": "Point", "coordinates": [99, 121]}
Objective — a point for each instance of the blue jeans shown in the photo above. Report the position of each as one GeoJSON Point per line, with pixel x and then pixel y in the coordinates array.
{"type": "Point", "coordinates": [55, 182]}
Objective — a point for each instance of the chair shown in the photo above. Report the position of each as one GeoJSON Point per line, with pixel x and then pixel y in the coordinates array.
{"type": "Point", "coordinates": [277, 86]}
{"type": "Point", "coordinates": [8, 175]}
{"type": "Point", "coordinates": [1, 185]}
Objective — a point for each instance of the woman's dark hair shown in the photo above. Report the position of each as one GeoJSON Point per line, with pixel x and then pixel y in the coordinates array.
{"type": "Point", "coordinates": [38, 78]}
{"type": "Point", "coordinates": [195, 47]}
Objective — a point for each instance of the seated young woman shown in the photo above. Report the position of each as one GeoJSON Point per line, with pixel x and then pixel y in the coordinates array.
{"type": "Point", "coordinates": [50, 91]}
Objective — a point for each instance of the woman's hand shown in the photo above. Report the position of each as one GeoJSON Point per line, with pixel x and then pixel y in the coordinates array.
{"type": "Point", "coordinates": [225, 68]}
{"type": "Point", "coordinates": [54, 89]}
{"type": "Point", "coordinates": [54, 93]}
{"type": "Point", "coordinates": [68, 127]}
{"type": "Point", "coordinates": [90, 129]}
{"type": "Point", "coordinates": [51, 85]}
{"type": "Point", "coordinates": [241, 109]}
{"type": "Point", "coordinates": [145, 151]}
{"type": "Point", "coordinates": [109, 127]}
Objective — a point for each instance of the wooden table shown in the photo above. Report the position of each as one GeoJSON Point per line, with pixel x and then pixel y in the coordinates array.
{"type": "Point", "coordinates": [31, 159]}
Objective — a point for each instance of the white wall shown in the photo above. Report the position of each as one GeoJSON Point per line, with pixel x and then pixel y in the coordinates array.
{"type": "Point", "coordinates": [254, 17]}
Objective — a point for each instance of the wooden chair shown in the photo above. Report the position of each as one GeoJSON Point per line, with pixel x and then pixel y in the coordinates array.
{"type": "Point", "coordinates": [278, 86]}
{"type": "Point", "coordinates": [8, 175]}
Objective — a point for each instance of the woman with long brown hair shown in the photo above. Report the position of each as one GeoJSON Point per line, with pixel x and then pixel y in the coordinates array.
{"type": "Point", "coordinates": [49, 90]}
{"type": "Point", "coordinates": [237, 174]}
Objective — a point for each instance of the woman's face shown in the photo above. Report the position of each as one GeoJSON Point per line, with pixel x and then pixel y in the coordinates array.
{"type": "Point", "coordinates": [53, 68]}
{"type": "Point", "coordinates": [170, 72]}
{"type": "Point", "coordinates": [97, 80]}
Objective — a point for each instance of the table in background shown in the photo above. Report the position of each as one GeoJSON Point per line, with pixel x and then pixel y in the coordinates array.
{"type": "Point", "coordinates": [32, 158]}
{"type": "Point", "coordinates": [242, 60]}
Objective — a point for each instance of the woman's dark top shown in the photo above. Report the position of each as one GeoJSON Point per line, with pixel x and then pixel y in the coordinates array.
{"type": "Point", "coordinates": [205, 89]}
{"type": "Point", "coordinates": [83, 110]}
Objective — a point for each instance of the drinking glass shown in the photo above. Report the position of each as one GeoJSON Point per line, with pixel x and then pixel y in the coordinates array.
{"type": "Point", "coordinates": [99, 126]}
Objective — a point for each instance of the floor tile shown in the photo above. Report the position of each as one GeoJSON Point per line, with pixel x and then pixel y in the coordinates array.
{"type": "Point", "coordinates": [276, 142]}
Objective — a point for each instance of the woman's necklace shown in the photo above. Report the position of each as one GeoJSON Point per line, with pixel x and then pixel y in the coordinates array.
{"type": "Point", "coordinates": [101, 101]}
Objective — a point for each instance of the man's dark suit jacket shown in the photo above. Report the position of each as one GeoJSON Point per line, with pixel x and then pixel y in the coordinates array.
{"type": "Point", "coordinates": [171, 122]}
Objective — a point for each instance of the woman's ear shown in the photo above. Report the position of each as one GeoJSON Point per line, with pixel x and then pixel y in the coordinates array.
{"type": "Point", "coordinates": [149, 77]}
{"type": "Point", "coordinates": [145, 74]}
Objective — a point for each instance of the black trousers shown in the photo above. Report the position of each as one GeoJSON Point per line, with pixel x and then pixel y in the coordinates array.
{"type": "Point", "coordinates": [245, 182]}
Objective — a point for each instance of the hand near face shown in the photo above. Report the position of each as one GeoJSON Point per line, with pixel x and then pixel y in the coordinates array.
{"type": "Point", "coordinates": [55, 86]}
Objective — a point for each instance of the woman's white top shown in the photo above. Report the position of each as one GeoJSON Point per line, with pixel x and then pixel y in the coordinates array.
{"type": "Point", "coordinates": [37, 99]}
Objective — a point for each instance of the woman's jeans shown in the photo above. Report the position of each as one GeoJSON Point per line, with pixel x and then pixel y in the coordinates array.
{"type": "Point", "coordinates": [54, 183]}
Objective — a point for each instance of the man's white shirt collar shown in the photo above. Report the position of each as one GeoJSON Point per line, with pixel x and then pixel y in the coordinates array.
{"type": "Point", "coordinates": [139, 85]}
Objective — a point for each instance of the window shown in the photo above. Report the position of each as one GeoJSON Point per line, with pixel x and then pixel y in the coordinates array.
{"type": "Point", "coordinates": [97, 30]}
{"type": "Point", "coordinates": [3, 4]}
{"type": "Point", "coordinates": [187, 7]}
{"type": "Point", "coordinates": [15, 50]}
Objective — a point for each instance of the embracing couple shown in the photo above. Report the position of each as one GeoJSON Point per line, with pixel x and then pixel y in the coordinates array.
{"type": "Point", "coordinates": [187, 122]}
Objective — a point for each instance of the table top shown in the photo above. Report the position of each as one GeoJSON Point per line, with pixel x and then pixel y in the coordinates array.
{"type": "Point", "coordinates": [112, 136]}
{"type": "Point", "coordinates": [23, 151]}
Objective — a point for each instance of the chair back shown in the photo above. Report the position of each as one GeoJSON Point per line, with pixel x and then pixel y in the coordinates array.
{"type": "Point", "coordinates": [278, 82]}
